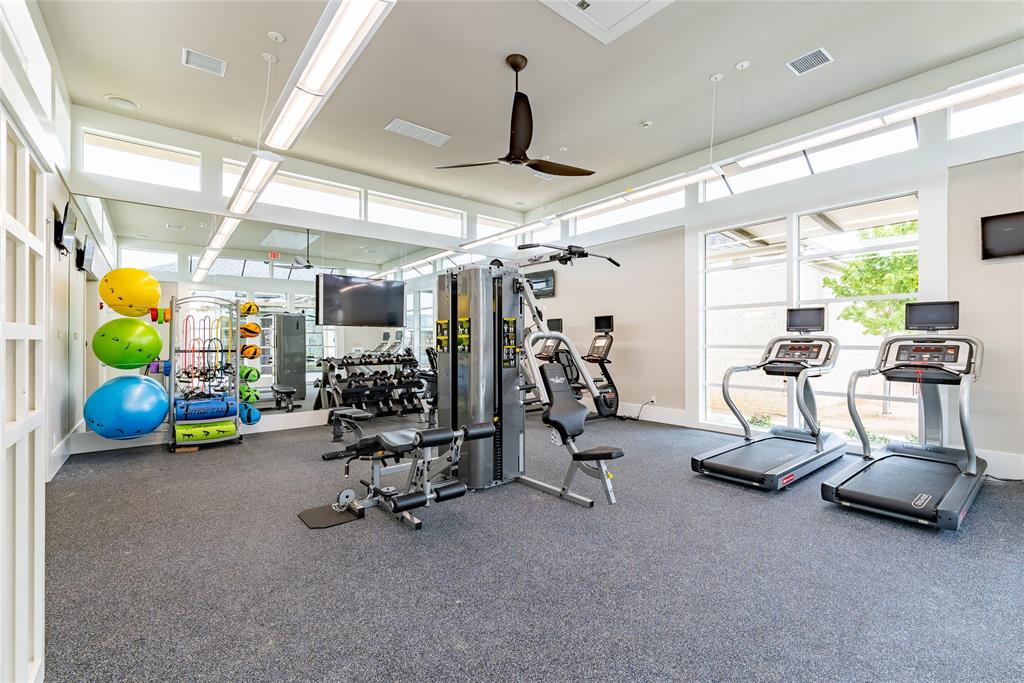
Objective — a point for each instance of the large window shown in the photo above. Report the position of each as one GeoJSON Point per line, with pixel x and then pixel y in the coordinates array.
{"type": "Point", "coordinates": [860, 263]}
{"type": "Point", "coordinates": [994, 111]}
{"type": "Point", "coordinates": [146, 162]}
{"type": "Point", "coordinates": [406, 213]}
{"type": "Point", "coordinates": [486, 226]}
{"type": "Point", "coordinates": [745, 287]}
{"type": "Point", "coordinates": [152, 261]}
{"type": "Point", "coordinates": [298, 192]}
{"type": "Point", "coordinates": [625, 209]}
{"type": "Point", "coordinates": [874, 145]}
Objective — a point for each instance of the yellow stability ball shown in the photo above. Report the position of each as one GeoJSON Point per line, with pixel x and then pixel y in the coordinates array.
{"type": "Point", "coordinates": [130, 291]}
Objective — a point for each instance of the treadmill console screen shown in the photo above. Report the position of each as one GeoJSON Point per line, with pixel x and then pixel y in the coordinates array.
{"type": "Point", "coordinates": [798, 352]}
{"type": "Point", "coordinates": [917, 353]}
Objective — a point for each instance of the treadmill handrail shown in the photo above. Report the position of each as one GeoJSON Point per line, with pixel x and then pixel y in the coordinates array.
{"type": "Point", "coordinates": [964, 413]}
{"type": "Point", "coordinates": [801, 404]}
{"type": "Point", "coordinates": [851, 402]}
{"type": "Point", "coordinates": [728, 397]}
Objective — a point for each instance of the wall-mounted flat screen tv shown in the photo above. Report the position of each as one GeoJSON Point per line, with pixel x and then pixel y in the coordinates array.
{"type": "Point", "coordinates": [543, 282]}
{"type": "Point", "coordinates": [1002, 236]}
{"type": "Point", "coordinates": [359, 301]}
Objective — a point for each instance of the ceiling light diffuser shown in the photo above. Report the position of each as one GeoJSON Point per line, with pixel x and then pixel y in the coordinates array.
{"type": "Point", "coordinates": [258, 171]}
{"type": "Point", "coordinates": [224, 231]}
{"type": "Point", "coordinates": [349, 28]}
{"type": "Point", "coordinates": [344, 29]}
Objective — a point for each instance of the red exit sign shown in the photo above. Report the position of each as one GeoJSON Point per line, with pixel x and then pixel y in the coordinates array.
{"type": "Point", "coordinates": [274, 255]}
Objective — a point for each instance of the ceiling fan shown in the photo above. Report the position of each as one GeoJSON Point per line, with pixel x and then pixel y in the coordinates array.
{"type": "Point", "coordinates": [522, 134]}
{"type": "Point", "coordinates": [300, 262]}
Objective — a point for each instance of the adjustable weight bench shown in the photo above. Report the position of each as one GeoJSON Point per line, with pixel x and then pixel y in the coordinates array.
{"type": "Point", "coordinates": [415, 452]}
{"type": "Point", "coordinates": [567, 416]}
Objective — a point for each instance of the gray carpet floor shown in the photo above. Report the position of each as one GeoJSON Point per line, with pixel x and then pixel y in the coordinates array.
{"type": "Point", "coordinates": [195, 567]}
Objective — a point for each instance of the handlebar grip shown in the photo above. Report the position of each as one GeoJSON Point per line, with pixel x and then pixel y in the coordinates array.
{"type": "Point", "coordinates": [481, 430]}
{"type": "Point", "coordinates": [614, 262]}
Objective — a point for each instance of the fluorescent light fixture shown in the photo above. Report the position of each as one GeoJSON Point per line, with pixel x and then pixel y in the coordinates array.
{"type": "Point", "coordinates": [256, 176]}
{"type": "Point", "coordinates": [296, 114]}
{"type": "Point", "coordinates": [671, 185]}
{"type": "Point", "coordinates": [999, 82]}
{"type": "Point", "coordinates": [198, 274]}
{"type": "Point", "coordinates": [503, 235]}
{"type": "Point", "coordinates": [823, 138]}
{"type": "Point", "coordinates": [206, 260]}
{"type": "Point", "coordinates": [425, 261]}
{"type": "Point", "coordinates": [383, 274]}
{"type": "Point", "coordinates": [224, 231]}
{"type": "Point", "coordinates": [343, 30]}
{"type": "Point", "coordinates": [592, 208]}
{"type": "Point", "coordinates": [345, 36]}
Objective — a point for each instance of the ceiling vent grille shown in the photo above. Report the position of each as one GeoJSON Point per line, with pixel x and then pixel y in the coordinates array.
{"type": "Point", "coordinates": [197, 60]}
{"type": "Point", "coordinates": [810, 61]}
{"type": "Point", "coordinates": [416, 132]}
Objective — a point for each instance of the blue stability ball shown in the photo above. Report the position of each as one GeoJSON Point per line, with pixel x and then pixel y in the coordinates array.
{"type": "Point", "coordinates": [126, 407]}
{"type": "Point", "coordinates": [250, 414]}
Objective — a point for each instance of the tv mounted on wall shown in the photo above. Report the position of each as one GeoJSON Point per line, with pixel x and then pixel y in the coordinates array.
{"type": "Point", "coordinates": [1002, 236]}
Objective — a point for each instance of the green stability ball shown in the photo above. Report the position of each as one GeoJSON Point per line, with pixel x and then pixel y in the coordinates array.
{"type": "Point", "coordinates": [126, 343]}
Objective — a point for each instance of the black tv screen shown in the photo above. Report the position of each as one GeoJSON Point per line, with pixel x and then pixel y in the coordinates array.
{"type": "Point", "coordinates": [359, 301]}
{"type": "Point", "coordinates": [1002, 236]}
{"type": "Point", "coordinates": [543, 283]}
{"type": "Point", "coordinates": [933, 315]}
{"type": "Point", "coordinates": [805, 319]}
{"type": "Point", "coordinates": [604, 323]}
{"type": "Point", "coordinates": [555, 324]}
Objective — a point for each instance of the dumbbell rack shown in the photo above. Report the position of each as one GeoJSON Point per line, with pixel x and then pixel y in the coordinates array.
{"type": "Point", "coordinates": [360, 395]}
{"type": "Point", "coordinates": [228, 351]}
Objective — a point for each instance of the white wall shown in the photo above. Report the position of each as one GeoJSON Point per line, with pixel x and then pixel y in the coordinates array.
{"type": "Point", "coordinates": [646, 297]}
{"type": "Point", "coordinates": [991, 295]}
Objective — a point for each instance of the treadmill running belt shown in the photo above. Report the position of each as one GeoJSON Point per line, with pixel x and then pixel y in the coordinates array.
{"type": "Point", "coordinates": [906, 486]}
{"type": "Point", "coordinates": [752, 460]}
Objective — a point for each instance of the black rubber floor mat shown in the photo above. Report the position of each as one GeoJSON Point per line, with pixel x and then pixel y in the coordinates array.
{"type": "Point", "coordinates": [325, 516]}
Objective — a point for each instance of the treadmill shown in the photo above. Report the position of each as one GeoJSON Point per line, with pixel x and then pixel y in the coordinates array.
{"type": "Point", "coordinates": [785, 454]}
{"type": "Point", "coordinates": [928, 482]}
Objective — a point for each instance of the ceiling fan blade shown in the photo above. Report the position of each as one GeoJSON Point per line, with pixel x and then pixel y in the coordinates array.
{"type": "Point", "coordinates": [552, 168]}
{"type": "Point", "coordinates": [475, 163]}
{"type": "Point", "coordinates": [522, 127]}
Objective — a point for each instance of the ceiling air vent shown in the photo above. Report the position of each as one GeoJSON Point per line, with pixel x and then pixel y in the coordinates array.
{"type": "Point", "coordinates": [416, 132]}
{"type": "Point", "coordinates": [197, 60]}
{"type": "Point", "coordinates": [810, 61]}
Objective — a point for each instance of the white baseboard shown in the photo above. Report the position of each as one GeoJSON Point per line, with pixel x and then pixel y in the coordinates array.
{"type": "Point", "coordinates": [1003, 465]}
{"type": "Point", "coordinates": [61, 452]}
{"type": "Point", "coordinates": [655, 413]}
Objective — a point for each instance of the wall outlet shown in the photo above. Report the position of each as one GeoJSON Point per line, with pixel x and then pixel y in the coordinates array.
{"type": "Point", "coordinates": [653, 400]}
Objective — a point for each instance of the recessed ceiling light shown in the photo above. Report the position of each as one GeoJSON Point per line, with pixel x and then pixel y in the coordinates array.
{"type": "Point", "coordinates": [121, 102]}
{"type": "Point", "coordinates": [546, 157]}
{"type": "Point", "coordinates": [235, 138]}
{"type": "Point", "coordinates": [563, 148]}
{"type": "Point", "coordinates": [743, 66]}
{"type": "Point", "coordinates": [715, 78]}
{"type": "Point", "coordinates": [646, 124]}
{"type": "Point", "coordinates": [275, 36]}
{"type": "Point", "coordinates": [269, 57]}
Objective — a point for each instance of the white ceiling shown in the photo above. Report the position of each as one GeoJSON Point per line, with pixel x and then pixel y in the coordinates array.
{"type": "Point", "coordinates": [143, 222]}
{"type": "Point", "coordinates": [441, 64]}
